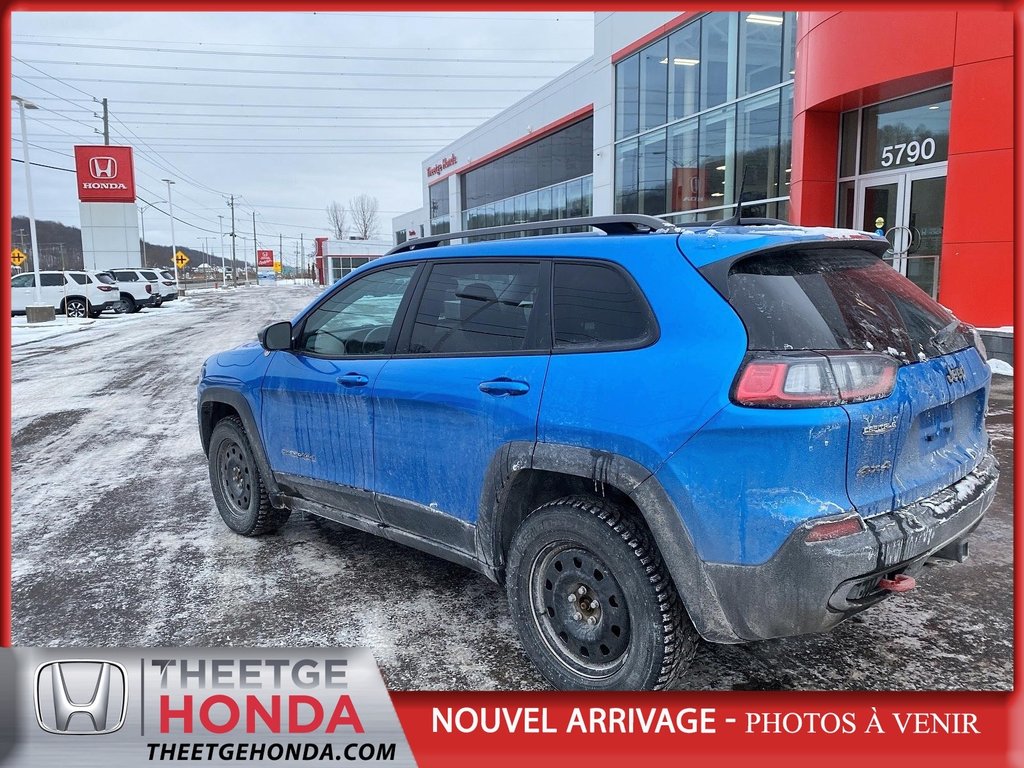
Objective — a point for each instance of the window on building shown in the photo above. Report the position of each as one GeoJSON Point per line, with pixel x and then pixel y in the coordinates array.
{"type": "Point", "coordinates": [760, 51]}
{"type": "Point", "coordinates": [906, 132]}
{"type": "Point", "coordinates": [717, 59]}
{"type": "Point", "coordinates": [686, 184]}
{"type": "Point", "coordinates": [627, 97]}
{"type": "Point", "coordinates": [757, 149]}
{"type": "Point", "coordinates": [684, 72]}
{"type": "Point", "coordinates": [626, 176]}
{"type": "Point", "coordinates": [595, 305]}
{"type": "Point", "coordinates": [654, 85]}
{"type": "Point", "coordinates": [477, 308]}
{"type": "Point", "coordinates": [652, 176]}
{"type": "Point", "coordinates": [717, 141]}
{"type": "Point", "coordinates": [440, 221]}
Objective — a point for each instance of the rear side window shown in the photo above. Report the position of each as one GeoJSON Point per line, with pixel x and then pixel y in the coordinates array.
{"type": "Point", "coordinates": [105, 278]}
{"type": "Point", "coordinates": [79, 277]}
{"type": "Point", "coordinates": [597, 305]}
{"type": "Point", "coordinates": [167, 275]}
{"type": "Point", "coordinates": [150, 275]}
{"type": "Point", "coordinates": [50, 281]}
{"type": "Point", "coordinates": [127, 277]}
{"type": "Point", "coordinates": [831, 299]}
{"type": "Point", "coordinates": [481, 307]}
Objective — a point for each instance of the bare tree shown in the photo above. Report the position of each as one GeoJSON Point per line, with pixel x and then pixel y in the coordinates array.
{"type": "Point", "coordinates": [365, 222]}
{"type": "Point", "coordinates": [338, 218]}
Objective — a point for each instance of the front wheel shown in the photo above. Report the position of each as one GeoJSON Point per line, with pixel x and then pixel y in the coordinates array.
{"type": "Point", "coordinates": [238, 487]}
{"type": "Point", "coordinates": [592, 601]}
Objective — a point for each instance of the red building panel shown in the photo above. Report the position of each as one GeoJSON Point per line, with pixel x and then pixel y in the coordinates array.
{"type": "Point", "coordinates": [851, 59]}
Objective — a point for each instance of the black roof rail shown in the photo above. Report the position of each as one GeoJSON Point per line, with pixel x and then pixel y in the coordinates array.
{"type": "Point", "coordinates": [622, 224]}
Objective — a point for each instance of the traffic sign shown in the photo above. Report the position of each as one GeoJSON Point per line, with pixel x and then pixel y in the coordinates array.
{"type": "Point", "coordinates": [180, 259]}
{"type": "Point", "coordinates": [17, 257]}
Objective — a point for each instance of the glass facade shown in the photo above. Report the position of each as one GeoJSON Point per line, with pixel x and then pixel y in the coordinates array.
{"type": "Point", "coordinates": [551, 178]}
{"type": "Point", "coordinates": [440, 218]}
{"type": "Point", "coordinates": [704, 119]}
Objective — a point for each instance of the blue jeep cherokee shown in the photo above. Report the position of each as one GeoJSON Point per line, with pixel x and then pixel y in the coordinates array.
{"type": "Point", "coordinates": [735, 431]}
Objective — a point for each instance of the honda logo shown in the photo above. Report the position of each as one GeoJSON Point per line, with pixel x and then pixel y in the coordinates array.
{"type": "Point", "coordinates": [103, 167]}
{"type": "Point", "coordinates": [81, 697]}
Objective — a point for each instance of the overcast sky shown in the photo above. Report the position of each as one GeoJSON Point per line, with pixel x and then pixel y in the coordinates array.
{"type": "Point", "coordinates": [288, 111]}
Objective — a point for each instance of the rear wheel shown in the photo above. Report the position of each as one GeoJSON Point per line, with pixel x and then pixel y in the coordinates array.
{"type": "Point", "coordinates": [128, 303]}
{"type": "Point", "coordinates": [76, 307]}
{"type": "Point", "coordinates": [237, 485]}
{"type": "Point", "coordinates": [593, 603]}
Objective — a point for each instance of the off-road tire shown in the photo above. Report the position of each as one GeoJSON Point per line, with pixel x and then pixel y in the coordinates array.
{"type": "Point", "coordinates": [238, 487]}
{"type": "Point", "coordinates": [563, 546]}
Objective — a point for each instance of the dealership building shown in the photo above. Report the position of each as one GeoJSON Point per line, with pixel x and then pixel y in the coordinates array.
{"type": "Point", "coordinates": [895, 121]}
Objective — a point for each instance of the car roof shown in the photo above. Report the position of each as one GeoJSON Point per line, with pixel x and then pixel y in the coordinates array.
{"type": "Point", "coordinates": [701, 244]}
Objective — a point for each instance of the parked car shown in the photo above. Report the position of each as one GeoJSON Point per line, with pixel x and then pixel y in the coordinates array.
{"type": "Point", "coordinates": [736, 431]}
{"type": "Point", "coordinates": [137, 290]}
{"type": "Point", "coordinates": [168, 286]}
{"type": "Point", "coordinates": [77, 293]}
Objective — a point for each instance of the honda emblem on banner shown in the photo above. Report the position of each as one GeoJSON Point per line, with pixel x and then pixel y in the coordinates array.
{"type": "Point", "coordinates": [105, 174]}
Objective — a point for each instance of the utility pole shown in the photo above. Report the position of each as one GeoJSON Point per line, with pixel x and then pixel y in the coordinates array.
{"type": "Point", "coordinates": [302, 248]}
{"type": "Point", "coordinates": [234, 264]}
{"type": "Point", "coordinates": [106, 124]}
{"type": "Point", "coordinates": [174, 258]}
{"type": "Point", "coordinates": [222, 270]}
{"type": "Point", "coordinates": [255, 260]}
{"type": "Point", "coordinates": [280, 251]}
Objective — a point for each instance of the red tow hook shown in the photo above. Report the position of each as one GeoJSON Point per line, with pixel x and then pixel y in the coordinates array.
{"type": "Point", "coordinates": [902, 583]}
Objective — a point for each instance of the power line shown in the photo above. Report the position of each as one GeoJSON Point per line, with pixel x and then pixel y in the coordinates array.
{"type": "Point", "coordinates": [315, 56]}
{"type": "Point", "coordinates": [44, 165]}
{"type": "Point", "coordinates": [265, 86]}
{"type": "Point", "coordinates": [233, 105]}
{"type": "Point", "coordinates": [301, 72]}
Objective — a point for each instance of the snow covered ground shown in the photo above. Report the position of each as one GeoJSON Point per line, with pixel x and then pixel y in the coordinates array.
{"type": "Point", "coordinates": [117, 540]}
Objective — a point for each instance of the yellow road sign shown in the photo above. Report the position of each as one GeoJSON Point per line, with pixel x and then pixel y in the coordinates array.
{"type": "Point", "coordinates": [180, 259]}
{"type": "Point", "coordinates": [17, 257]}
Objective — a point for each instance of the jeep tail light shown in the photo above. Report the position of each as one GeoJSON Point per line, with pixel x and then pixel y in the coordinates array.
{"type": "Point", "coordinates": [978, 343]}
{"type": "Point", "coordinates": [827, 530]}
{"type": "Point", "coordinates": [106, 287]}
{"type": "Point", "coordinates": [813, 379]}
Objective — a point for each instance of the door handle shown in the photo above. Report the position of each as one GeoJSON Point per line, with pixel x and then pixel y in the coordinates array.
{"type": "Point", "coordinates": [353, 380]}
{"type": "Point", "coordinates": [501, 387]}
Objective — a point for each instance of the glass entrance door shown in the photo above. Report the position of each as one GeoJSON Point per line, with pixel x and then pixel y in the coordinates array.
{"type": "Point", "coordinates": [907, 208]}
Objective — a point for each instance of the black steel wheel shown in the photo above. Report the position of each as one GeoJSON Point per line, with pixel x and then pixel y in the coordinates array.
{"type": "Point", "coordinates": [237, 485]}
{"type": "Point", "coordinates": [76, 307]}
{"type": "Point", "coordinates": [591, 599]}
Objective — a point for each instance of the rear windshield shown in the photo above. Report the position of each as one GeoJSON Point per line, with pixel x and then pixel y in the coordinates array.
{"type": "Point", "coordinates": [829, 299]}
{"type": "Point", "coordinates": [106, 278]}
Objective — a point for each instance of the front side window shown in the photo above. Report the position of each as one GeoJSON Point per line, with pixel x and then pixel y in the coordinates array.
{"type": "Point", "coordinates": [357, 319]}
{"type": "Point", "coordinates": [23, 281]}
{"type": "Point", "coordinates": [51, 280]}
{"type": "Point", "coordinates": [595, 305]}
{"type": "Point", "coordinates": [477, 308]}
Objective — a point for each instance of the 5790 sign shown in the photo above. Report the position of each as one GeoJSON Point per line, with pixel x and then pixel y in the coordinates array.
{"type": "Point", "coordinates": [909, 152]}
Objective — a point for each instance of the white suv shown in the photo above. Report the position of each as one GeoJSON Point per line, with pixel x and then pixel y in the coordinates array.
{"type": "Point", "coordinates": [137, 290]}
{"type": "Point", "coordinates": [167, 288]}
{"type": "Point", "coordinates": [78, 293]}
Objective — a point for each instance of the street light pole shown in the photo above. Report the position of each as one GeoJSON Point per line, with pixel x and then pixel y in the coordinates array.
{"type": "Point", "coordinates": [174, 258]}
{"type": "Point", "coordinates": [142, 215]}
{"type": "Point", "coordinates": [22, 106]}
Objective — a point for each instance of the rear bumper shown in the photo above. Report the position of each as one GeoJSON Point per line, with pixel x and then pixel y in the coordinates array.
{"type": "Point", "coordinates": [811, 587]}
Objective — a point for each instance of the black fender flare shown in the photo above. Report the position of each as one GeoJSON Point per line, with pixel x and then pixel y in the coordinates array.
{"type": "Point", "coordinates": [634, 480]}
{"type": "Point", "coordinates": [238, 402]}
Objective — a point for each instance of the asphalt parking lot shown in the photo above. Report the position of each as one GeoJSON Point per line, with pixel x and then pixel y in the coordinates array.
{"type": "Point", "coordinates": [117, 542]}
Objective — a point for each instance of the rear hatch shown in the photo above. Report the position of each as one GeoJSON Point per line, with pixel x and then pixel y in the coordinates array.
{"type": "Point", "coordinates": [878, 332]}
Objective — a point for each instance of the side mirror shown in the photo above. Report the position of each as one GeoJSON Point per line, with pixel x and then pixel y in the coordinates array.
{"type": "Point", "coordinates": [276, 336]}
